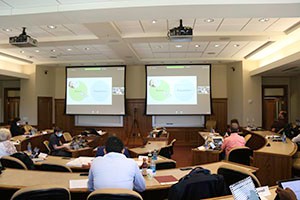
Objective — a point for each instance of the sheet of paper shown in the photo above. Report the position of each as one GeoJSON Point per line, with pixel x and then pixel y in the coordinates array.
{"type": "Point", "coordinates": [81, 183]}
{"type": "Point", "coordinates": [263, 191]}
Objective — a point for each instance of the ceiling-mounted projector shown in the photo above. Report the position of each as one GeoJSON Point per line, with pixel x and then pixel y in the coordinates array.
{"type": "Point", "coordinates": [180, 33]}
{"type": "Point", "coordinates": [23, 40]}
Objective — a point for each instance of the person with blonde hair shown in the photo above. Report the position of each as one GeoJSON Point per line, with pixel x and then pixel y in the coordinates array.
{"type": "Point", "coordinates": [6, 146]}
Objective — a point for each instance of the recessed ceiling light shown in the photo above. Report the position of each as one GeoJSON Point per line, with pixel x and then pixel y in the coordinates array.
{"type": "Point", "coordinates": [197, 45]}
{"type": "Point", "coordinates": [217, 45]}
{"type": "Point", "coordinates": [51, 26]}
{"type": "Point", "coordinates": [236, 45]}
{"type": "Point", "coordinates": [7, 29]}
{"type": "Point", "coordinates": [22, 51]}
{"type": "Point", "coordinates": [69, 49]}
{"type": "Point", "coordinates": [209, 20]}
{"type": "Point", "coordinates": [263, 19]}
{"type": "Point", "coordinates": [52, 50]}
{"type": "Point", "coordinates": [154, 21]}
{"type": "Point", "coordinates": [86, 48]}
{"type": "Point", "coordinates": [178, 45]}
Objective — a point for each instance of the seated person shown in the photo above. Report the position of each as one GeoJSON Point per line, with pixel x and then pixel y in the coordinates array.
{"type": "Point", "coordinates": [29, 129]}
{"type": "Point", "coordinates": [15, 127]}
{"type": "Point", "coordinates": [55, 144]}
{"type": "Point", "coordinates": [101, 149]}
{"type": "Point", "coordinates": [280, 123]}
{"type": "Point", "coordinates": [7, 148]}
{"type": "Point", "coordinates": [232, 141]}
{"type": "Point", "coordinates": [114, 170]}
{"type": "Point", "coordinates": [234, 125]}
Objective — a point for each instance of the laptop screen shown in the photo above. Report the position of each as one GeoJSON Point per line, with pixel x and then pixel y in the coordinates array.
{"type": "Point", "coordinates": [244, 189]}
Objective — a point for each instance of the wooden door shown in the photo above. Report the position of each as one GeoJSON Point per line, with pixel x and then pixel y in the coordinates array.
{"type": "Point", "coordinates": [12, 108]}
{"type": "Point", "coordinates": [269, 113]}
{"type": "Point", "coordinates": [63, 121]}
{"type": "Point", "coordinates": [45, 113]}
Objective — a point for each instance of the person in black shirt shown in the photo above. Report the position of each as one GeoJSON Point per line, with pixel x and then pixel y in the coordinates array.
{"type": "Point", "coordinates": [15, 127]}
{"type": "Point", "coordinates": [56, 146]}
{"type": "Point", "coordinates": [280, 123]}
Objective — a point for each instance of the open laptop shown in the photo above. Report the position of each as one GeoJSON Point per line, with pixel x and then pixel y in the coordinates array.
{"type": "Point", "coordinates": [293, 184]}
{"type": "Point", "coordinates": [217, 140]}
{"type": "Point", "coordinates": [244, 189]}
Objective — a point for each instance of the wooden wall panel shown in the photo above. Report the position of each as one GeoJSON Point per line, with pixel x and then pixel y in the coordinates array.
{"type": "Point", "coordinates": [45, 112]}
{"type": "Point", "coordinates": [184, 136]}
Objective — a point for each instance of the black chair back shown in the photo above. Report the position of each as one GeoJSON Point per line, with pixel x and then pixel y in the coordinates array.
{"type": "Point", "coordinates": [114, 194]}
{"type": "Point", "coordinates": [42, 193]}
{"type": "Point", "coordinates": [240, 155]}
{"type": "Point", "coordinates": [54, 167]}
{"type": "Point", "coordinates": [11, 162]}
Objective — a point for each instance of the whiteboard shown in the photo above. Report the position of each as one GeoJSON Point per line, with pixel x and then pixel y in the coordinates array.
{"type": "Point", "coordinates": [178, 121]}
{"type": "Point", "coordinates": [103, 121]}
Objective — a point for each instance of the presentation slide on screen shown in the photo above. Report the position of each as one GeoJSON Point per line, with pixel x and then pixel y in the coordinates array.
{"type": "Point", "coordinates": [87, 91]}
{"type": "Point", "coordinates": [95, 90]}
{"type": "Point", "coordinates": [172, 90]}
{"type": "Point", "coordinates": [178, 89]}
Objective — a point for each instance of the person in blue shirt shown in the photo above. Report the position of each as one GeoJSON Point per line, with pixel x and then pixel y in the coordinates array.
{"type": "Point", "coordinates": [114, 170]}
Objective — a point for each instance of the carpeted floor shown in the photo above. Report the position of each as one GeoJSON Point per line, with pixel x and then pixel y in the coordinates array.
{"type": "Point", "coordinates": [182, 155]}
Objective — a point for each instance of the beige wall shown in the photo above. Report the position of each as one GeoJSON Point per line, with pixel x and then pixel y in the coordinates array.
{"type": "Point", "coordinates": [28, 96]}
{"type": "Point", "coordinates": [295, 98]}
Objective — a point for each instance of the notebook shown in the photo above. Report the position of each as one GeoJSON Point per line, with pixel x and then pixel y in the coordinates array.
{"type": "Point", "coordinates": [166, 179]}
{"type": "Point", "coordinates": [244, 189]}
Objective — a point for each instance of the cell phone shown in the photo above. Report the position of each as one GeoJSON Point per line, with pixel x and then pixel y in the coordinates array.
{"type": "Point", "coordinates": [84, 174]}
{"type": "Point", "coordinates": [67, 158]}
{"type": "Point", "coordinates": [186, 168]}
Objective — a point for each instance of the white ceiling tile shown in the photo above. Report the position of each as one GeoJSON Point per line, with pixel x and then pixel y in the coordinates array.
{"type": "Point", "coordinates": [250, 47]}
{"type": "Point", "coordinates": [231, 49]}
{"type": "Point", "coordinates": [282, 24]}
{"type": "Point", "coordinates": [30, 3]}
{"type": "Point", "coordinates": [161, 55]}
{"type": "Point", "coordinates": [202, 26]}
{"type": "Point", "coordinates": [233, 24]}
{"type": "Point", "coordinates": [255, 25]}
{"type": "Point", "coordinates": [212, 46]}
{"type": "Point", "coordinates": [177, 55]}
{"type": "Point", "coordinates": [159, 27]}
{"type": "Point", "coordinates": [201, 46]}
{"type": "Point", "coordinates": [194, 55]}
{"type": "Point", "coordinates": [127, 27]}
{"type": "Point", "coordinates": [4, 6]}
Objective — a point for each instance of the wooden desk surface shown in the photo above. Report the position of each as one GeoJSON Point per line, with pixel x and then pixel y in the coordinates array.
{"type": "Point", "coordinates": [289, 148]}
{"type": "Point", "coordinates": [63, 161]}
{"type": "Point", "coordinates": [15, 179]}
{"type": "Point", "coordinates": [150, 146]}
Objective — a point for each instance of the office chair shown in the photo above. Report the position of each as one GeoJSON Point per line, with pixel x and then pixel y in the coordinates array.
{"type": "Point", "coordinates": [240, 155]}
{"type": "Point", "coordinates": [165, 165]}
{"type": "Point", "coordinates": [67, 137]}
{"type": "Point", "coordinates": [46, 143]}
{"type": "Point", "coordinates": [210, 124]}
{"type": "Point", "coordinates": [247, 137]}
{"type": "Point", "coordinates": [233, 174]}
{"type": "Point", "coordinates": [168, 150]}
{"type": "Point", "coordinates": [114, 194]}
{"type": "Point", "coordinates": [54, 168]}
{"type": "Point", "coordinates": [42, 192]}
{"type": "Point", "coordinates": [11, 162]}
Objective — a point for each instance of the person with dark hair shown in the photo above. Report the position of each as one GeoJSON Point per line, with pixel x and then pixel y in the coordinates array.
{"type": "Point", "coordinates": [56, 146]}
{"type": "Point", "coordinates": [234, 125]}
{"type": "Point", "coordinates": [280, 123]}
{"type": "Point", "coordinates": [114, 170]}
{"type": "Point", "coordinates": [232, 141]}
{"type": "Point", "coordinates": [15, 127]}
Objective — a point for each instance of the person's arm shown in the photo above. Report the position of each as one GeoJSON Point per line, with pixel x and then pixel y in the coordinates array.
{"type": "Point", "coordinates": [91, 180]}
{"type": "Point", "coordinates": [139, 181]}
{"type": "Point", "coordinates": [286, 194]}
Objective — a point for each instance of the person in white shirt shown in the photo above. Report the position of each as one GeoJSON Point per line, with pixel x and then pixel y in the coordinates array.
{"type": "Point", "coordinates": [114, 170]}
{"type": "Point", "coordinates": [7, 148]}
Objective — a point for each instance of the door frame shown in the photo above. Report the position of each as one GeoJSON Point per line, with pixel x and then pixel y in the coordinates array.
{"type": "Point", "coordinates": [285, 98]}
{"type": "Point", "coordinates": [5, 115]}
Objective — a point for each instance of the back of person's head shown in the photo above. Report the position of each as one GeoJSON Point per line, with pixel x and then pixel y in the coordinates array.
{"type": "Point", "coordinates": [234, 123]}
{"type": "Point", "coordinates": [15, 120]}
{"type": "Point", "coordinates": [114, 144]}
{"type": "Point", "coordinates": [56, 130]}
{"type": "Point", "coordinates": [4, 134]}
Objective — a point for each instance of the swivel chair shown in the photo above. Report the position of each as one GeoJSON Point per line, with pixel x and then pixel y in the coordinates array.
{"type": "Point", "coordinates": [114, 194]}
{"type": "Point", "coordinates": [11, 162]}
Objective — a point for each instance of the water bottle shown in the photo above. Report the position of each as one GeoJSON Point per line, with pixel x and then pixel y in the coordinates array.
{"type": "Point", "coordinates": [153, 167]}
{"type": "Point", "coordinates": [283, 137]}
{"type": "Point", "coordinates": [154, 157]}
{"type": "Point", "coordinates": [29, 149]}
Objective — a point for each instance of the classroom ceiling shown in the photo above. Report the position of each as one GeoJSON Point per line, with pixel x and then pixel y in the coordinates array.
{"type": "Point", "coordinates": [94, 32]}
